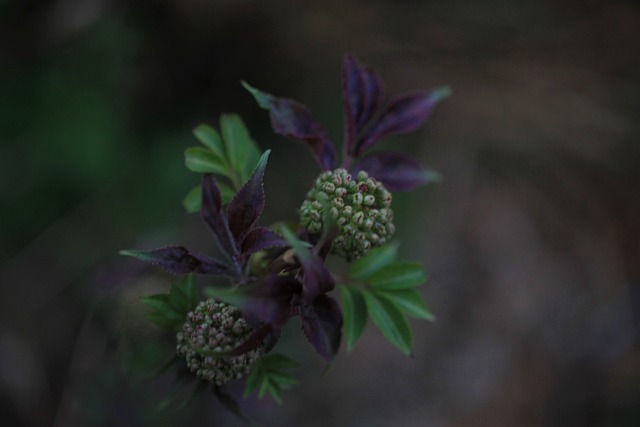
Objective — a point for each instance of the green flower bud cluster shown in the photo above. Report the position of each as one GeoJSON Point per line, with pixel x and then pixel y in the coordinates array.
{"type": "Point", "coordinates": [212, 329]}
{"type": "Point", "coordinates": [359, 206]}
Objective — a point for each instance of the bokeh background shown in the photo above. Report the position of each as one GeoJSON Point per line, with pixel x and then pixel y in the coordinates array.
{"type": "Point", "coordinates": [532, 240]}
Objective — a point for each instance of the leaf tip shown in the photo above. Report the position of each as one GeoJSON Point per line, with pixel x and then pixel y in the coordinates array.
{"type": "Point", "coordinates": [440, 93]}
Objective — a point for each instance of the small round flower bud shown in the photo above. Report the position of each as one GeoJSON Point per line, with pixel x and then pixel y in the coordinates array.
{"type": "Point", "coordinates": [359, 205]}
{"type": "Point", "coordinates": [328, 187]}
{"type": "Point", "coordinates": [215, 328]}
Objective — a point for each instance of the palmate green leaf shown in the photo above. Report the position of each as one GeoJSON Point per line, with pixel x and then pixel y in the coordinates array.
{"type": "Point", "coordinates": [170, 310]}
{"type": "Point", "coordinates": [166, 320]}
{"type": "Point", "coordinates": [374, 261]}
{"type": "Point", "coordinates": [409, 301]}
{"type": "Point", "coordinates": [390, 320]}
{"type": "Point", "coordinates": [399, 275]}
{"type": "Point", "coordinates": [268, 375]}
{"type": "Point", "coordinates": [354, 314]}
{"type": "Point", "coordinates": [178, 299]}
{"type": "Point", "coordinates": [239, 146]}
{"type": "Point", "coordinates": [202, 160]}
{"type": "Point", "coordinates": [210, 138]}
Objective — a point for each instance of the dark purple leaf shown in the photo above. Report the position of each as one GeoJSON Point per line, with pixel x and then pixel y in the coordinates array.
{"type": "Point", "coordinates": [396, 171]}
{"type": "Point", "coordinates": [403, 114]}
{"type": "Point", "coordinates": [179, 260]}
{"type": "Point", "coordinates": [293, 120]}
{"type": "Point", "coordinates": [248, 203]}
{"type": "Point", "coordinates": [260, 238]}
{"type": "Point", "coordinates": [322, 324]}
{"type": "Point", "coordinates": [214, 216]}
{"type": "Point", "coordinates": [270, 299]}
{"type": "Point", "coordinates": [362, 95]}
{"type": "Point", "coordinates": [317, 279]}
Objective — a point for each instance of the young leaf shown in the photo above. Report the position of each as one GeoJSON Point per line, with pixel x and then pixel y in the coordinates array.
{"type": "Point", "coordinates": [268, 300]}
{"type": "Point", "coordinates": [179, 260]}
{"type": "Point", "coordinates": [237, 141]}
{"type": "Point", "coordinates": [362, 95]}
{"type": "Point", "coordinates": [193, 200]}
{"type": "Point", "coordinates": [163, 313]}
{"type": "Point", "coordinates": [354, 311]}
{"type": "Point", "coordinates": [202, 160]}
{"type": "Point", "coordinates": [389, 319]}
{"type": "Point", "coordinates": [269, 374]}
{"type": "Point", "coordinates": [399, 275]}
{"type": "Point", "coordinates": [190, 289]}
{"type": "Point", "coordinates": [322, 325]}
{"type": "Point", "coordinates": [215, 218]}
{"type": "Point", "coordinates": [397, 171]}
{"type": "Point", "coordinates": [260, 238]}
{"type": "Point", "coordinates": [375, 260]}
{"type": "Point", "coordinates": [403, 114]}
{"type": "Point", "coordinates": [409, 301]}
{"type": "Point", "coordinates": [178, 299]}
{"type": "Point", "coordinates": [294, 120]}
{"type": "Point", "coordinates": [210, 138]}
{"type": "Point", "coordinates": [248, 203]}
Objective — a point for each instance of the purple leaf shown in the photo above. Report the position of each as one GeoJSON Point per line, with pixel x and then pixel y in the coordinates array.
{"type": "Point", "coordinates": [317, 279]}
{"type": "Point", "coordinates": [270, 299]}
{"type": "Point", "coordinates": [403, 114]}
{"type": "Point", "coordinates": [179, 260]}
{"type": "Point", "coordinates": [362, 94]}
{"type": "Point", "coordinates": [396, 171]}
{"type": "Point", "coordinates": [294, 120]}
{"type": "Point", "coordinates": [214, 217]}
{"type": "Point", "coordinates": [261, 238]}
{"type": "Point", "coordinates": [248, 203]}
{"type": "Point", "coordinates": [322, 324]}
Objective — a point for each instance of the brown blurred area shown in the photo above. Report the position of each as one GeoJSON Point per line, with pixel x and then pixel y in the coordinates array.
{"type": "Point", "coordinates": [532, 241]}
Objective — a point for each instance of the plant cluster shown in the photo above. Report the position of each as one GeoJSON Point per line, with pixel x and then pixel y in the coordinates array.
{"type": "Point", "coordinates": [279, 273]}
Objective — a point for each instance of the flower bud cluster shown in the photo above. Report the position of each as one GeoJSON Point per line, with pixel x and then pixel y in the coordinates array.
{"type": "Point", "coordinates": [359, 206]}
{"type": "Point", "coordinates": [212, 329]}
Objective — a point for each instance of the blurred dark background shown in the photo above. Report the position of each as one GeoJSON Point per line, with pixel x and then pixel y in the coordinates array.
{"type": "Point", "coordinates": [532, 241]}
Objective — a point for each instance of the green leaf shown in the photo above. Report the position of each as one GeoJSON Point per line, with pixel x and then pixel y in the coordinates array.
{"type": "Point", "coordinates": [166, 320]}
{"type": "Point", "coordinates": [210, 138]}
{"type": "Point", "coordinates": [278, 362]}
{"type": "Point", "coordinates": [390, 320]}
{"type": "Point", "coordinates": [159, 302]}
{"type": "Point", "coordinates": [190, 288]}
{"type": "Point", "coordinates": [374, 261]}
{"type": "Point", "coordinates": [409, 301]}
{"type": "Point", "coordinates": [253, 157]}
{"type": "Point", "coordinates": [262, 98]}
{"type": "Point", "coordinates": [399, 275]}
{"type": "Point", "coordinates": [193, 201]}
{"type": "Point", "coordinates": [237, 141]}
{"type": "Point", "coordinates": [202, 160]}
{"type": "Point", "coordinates": [178, 299]}
{"type": "Point", "coordinates": [268, 375]}
{"type": "Point", "coordinates": [164, 313]}
{"type": "Point", "coordinates": [354, 313]}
